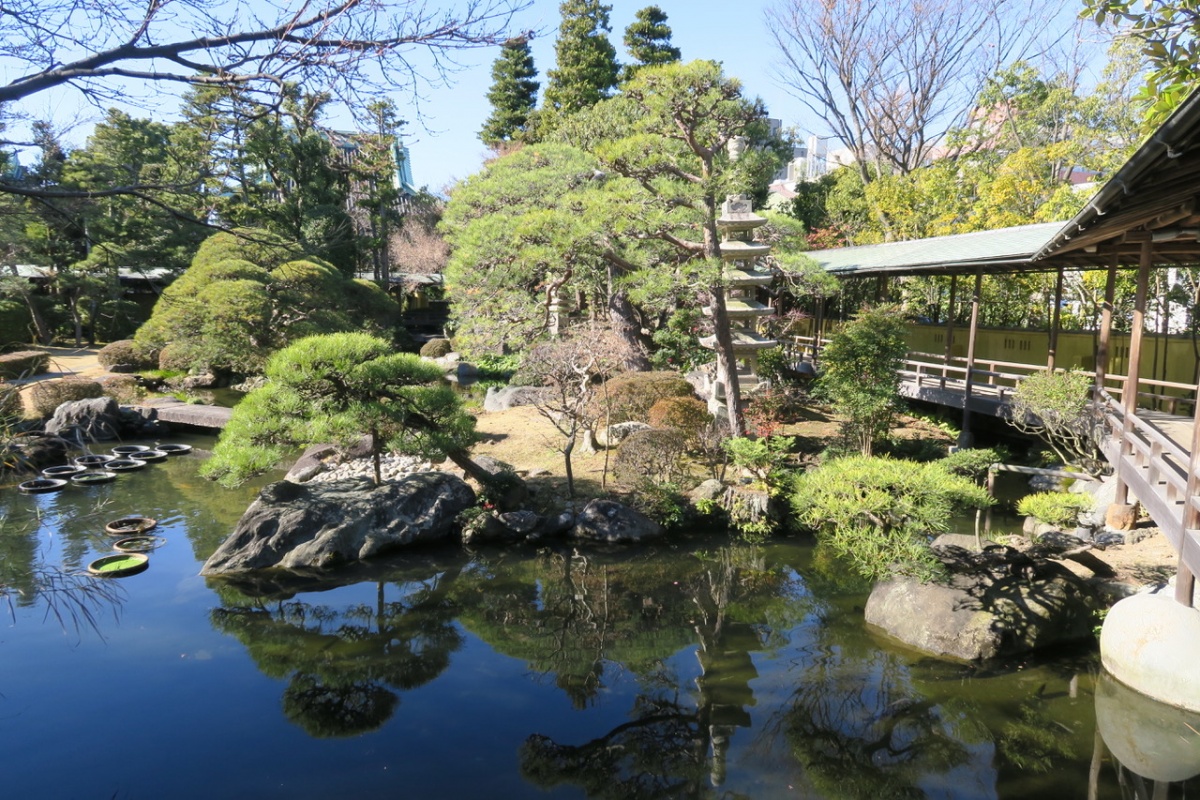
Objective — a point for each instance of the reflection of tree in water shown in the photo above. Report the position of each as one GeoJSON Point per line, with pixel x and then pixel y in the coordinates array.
{"type": "Point", "coordinates": [71, 597]}
{"type": "Point", "coordinates": [676, 745]}
{"type": "Point", "coordinates": [340, 662]}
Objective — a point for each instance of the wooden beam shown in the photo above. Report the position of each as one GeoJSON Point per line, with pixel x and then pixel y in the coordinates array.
{"type": "Point", "coordinates": [965, 439]}
{"type": "Point", "coordinates": [1055, 318]}
{"type": "Point", "coordinates": [1106, 312]}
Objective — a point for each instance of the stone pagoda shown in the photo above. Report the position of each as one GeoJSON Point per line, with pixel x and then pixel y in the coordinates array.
{"type": "Point", "coordinates": [739, 252]}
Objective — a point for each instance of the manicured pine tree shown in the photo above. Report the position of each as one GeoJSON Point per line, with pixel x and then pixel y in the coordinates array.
{"type": "Point", "coordinates": [513, 94]}
{"type": "Point", "coordinates": [648, 41]}
{"type": "Point", "coordinates": [586, 69]}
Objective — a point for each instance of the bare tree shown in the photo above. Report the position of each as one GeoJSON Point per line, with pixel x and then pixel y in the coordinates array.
{"type": "Point", "coordinates": [355, 50]}
{"type": "Point", "coordinates": [891, 77]}
{"type": "Point", "coordinates": [572, 368]}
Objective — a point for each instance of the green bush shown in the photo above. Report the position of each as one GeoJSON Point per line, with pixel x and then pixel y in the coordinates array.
{"type": "Point", "coordinates": [49, 395]}
{"type": "Point", "coordinates": [24, 363]}
{"type": "Point", "coordinates": [676, 342]}
{"type": "Point", "coordinates": [765, 458]}
{"type": "Point", "coordinates": [654, 455]}
{"type": "Point", "coordinates": [879, 513]}
{"type": "Point", "coordinates": [436, 348]}
{"type": "Point", "coordinates": [971, 462]}
{"type": "Point", "coordinates": [688, 415]}
{"type": "Point", "coordinates": [174, 359]}
{"type": "Point", "coordinates": [629, 397]}
{"type": "Point", "coordinates": [127, 353]}
{"type": "Point", "coordinates": [1061, 509]}
{"type": "Point", "coordinates": [14, 323]}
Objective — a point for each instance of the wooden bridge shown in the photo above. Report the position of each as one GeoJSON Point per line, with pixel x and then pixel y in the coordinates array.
{"type": "Point", "coordinates": [1153, 449]}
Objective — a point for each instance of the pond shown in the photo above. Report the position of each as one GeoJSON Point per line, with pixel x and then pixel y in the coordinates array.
{"type": "Point", "coordinates": [694, 668]}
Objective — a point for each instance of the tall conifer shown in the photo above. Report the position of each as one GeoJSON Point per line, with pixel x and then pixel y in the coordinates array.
{"type": "Point", "coordinates": [513, 94]}
{"type": "Point", "coordinates": [586, 69]}
{"type": "Point", "coordinates": [648, 41]}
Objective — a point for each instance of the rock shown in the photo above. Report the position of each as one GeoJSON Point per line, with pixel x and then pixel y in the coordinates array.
{"type": "Point", "coordinates": [557, 525]}
{"type": "Point", "coordinates": [35, 451]}
{"type": "Point", "coordinates": [122, 369]}
{"type": "Point", "coordinates": [522, 523]}
{"type": "Point", "coordinates": [1151, 643]}
{"type": "Point", "coordinates": [1109, 538]}
{"type": "Point", "coordinates": [322, 525]}
{"type": "Point", "coordinates": [312, 462]}
{"type": "Point", "coordinates": [964, 541]}
{"type": "Point", "coordinates": [250, 384]}
{"type": "Point", "coordinates": [997, 603]}
{"type": "Point", "coordinates": [203, 380]}
{"type": "Point", "coordinates": [1121, 517]}
{"type": "Point", "coordinates": [1059, 541]}
{"type": "Point", "coordinates": [711, 489]}
{"type": "Point", "coordinates": [506, 397]}
{"type": "Point", "coordinates": [1141, 534]}
{"type": "Point", "coordinates": [1104, 494]}
{"type": "Point", "coordinates": [613, 435]}
{"type": "Point", "coordinates": [610, 521]}
{"type": "Point", "coordinates": [93, 420]}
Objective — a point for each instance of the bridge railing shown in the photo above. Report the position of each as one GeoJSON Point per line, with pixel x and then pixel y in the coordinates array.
{"type": "Point", "coordinates": [1164, 477]}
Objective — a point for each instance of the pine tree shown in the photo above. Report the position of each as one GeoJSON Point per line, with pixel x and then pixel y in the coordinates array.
{"type": "Point", "coordinates": [513, 94]}
{"type": "Point", "coordinates": [586, 62]}
{"type": "Point", "coordinates": [648, 41]}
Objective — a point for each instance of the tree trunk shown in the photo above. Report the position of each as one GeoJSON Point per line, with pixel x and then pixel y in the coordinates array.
{"type": "Point", "coordinates": [567, 465]}
{"type": "Point", "coordinates": [625, 325]}
{"type": "Point", "coordinates": [726, 362]}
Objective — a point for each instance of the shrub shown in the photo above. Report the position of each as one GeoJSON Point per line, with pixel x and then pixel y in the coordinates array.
{"type": "Point", "coordinates": [676, 342]}
{"type": "Point", "coordinates": [688, 415]}
{"type": "Point", "coordinates": [652, 455]}
{"type": "Point", "coordinates": [970, 462]}
{"type": "Point", "coordinates": [49, 395]}
{"type": "Point", "coordinates": [1060, 509]}
{"type": "Point", "coordinates": [661, 502]}
{"type": "Point", "coordinates": [11, 406]}
{"type": "Point", "coordinates": [125, 352]}
{"type": "Point", "coordinates": [436, 348]}
{"type": "Point", "coordinates": [174, 358]}
{"type": "Point", "coordinates": [122, 388]}
{"type": "Point", "coordinates": [764, 458]}
{"type": "Point", "coordinates": [24, 363]}
{"type": "Point", "coordinates": [774, 365]}
{"type": "Point", "coordinates": [767, 411]}
{"type": "Point", "coordinates": [879, 513]}
{"type": "Point", "coordinates": [1057, 408]}
{"type": "Point", "coordinates": [629, 397]}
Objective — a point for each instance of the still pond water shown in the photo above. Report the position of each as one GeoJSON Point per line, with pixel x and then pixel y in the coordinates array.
{"type": "Point", "coordinates": [691, 669]}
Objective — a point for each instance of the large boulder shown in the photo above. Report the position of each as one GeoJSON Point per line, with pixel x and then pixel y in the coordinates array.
{"type": "Point", "coordinates": [996, 603]}
{"type": "Point", "coordinates": [610, 521]}
{"type": "Point", "coordinates": [93, 420]}
{"type": "Point", "coordinates": [323, 525]}
{"type": "Point", "coordinates": [506, 397]}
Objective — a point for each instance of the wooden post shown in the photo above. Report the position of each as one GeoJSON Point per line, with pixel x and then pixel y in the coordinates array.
{"type": "Point", "coordinates": [1129, 395]}
{"type": "Point", "coordinates": [965, 439]}
{"type": "Point", "coordinates": [1055, 318]}
{"type": "Point", "coordinates": [1185, 580]}
{"type": "Point", "coordinates": [950, 326]}
{"type": "Point", "coordinates": [1106, 312]}
{"type": "Point", "coordinates": [880, 288]}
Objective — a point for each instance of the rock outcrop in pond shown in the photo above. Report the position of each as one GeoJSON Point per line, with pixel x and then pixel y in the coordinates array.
{"type": "Point", "coordinates": [323, 525]}
{"type": "Point", "coordinates": [996, 603]}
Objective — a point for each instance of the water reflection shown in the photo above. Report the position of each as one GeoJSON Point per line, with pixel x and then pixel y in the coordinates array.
{"type": "Point", "coordinates": [345, 663]}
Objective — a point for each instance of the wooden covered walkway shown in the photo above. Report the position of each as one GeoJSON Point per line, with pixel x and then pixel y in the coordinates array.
{"type": "Point", "coordinates": [1146, 217]}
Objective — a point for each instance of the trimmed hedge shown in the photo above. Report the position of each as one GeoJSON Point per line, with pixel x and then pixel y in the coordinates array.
{"type": "Point", "coordinates": [688, 415]}
{"type": "Point", "coordinates": [24, 363]}
{"type": "Point", "coordinates": [49, 395]}
{"type": "Point", "coordinates": [654, 456]}
{"type": "Point", "coordinates": [630, 396]}
{"type": "Point", "coordinates": [436, 348]}
{"type": "Point", "coordinates": [125, 352]}
{"type": "Point", "coordinates": [125, 389]}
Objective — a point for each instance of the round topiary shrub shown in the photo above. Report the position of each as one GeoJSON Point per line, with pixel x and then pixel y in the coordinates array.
{"type": "Point", "coordinates": [688, 415]}
{"type": "Point", "coordinates": [628, 397]}
{"type": "Point", "coordinates": [653, 456]}
{"type": "Point", "coordinates": [122, 388]}
{"type": "Point", "coordinates": [24, 363]}
{"type": "Point", "coordinates": [49, 395]}
{"type": "Point", "coordinates": [436, 348]}
{"type": "Point", "coordinates": [1060, 509]}
{"type": "Point", "coordinates": [125, 353]}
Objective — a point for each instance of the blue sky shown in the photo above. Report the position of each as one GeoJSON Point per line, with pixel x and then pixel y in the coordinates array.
{"type": "Point", "coordinates": [730, 32]}
{"type": "Point", "coordinates": [443, 128]}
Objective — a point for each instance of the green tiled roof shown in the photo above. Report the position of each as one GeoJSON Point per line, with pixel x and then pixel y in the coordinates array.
{"type": "Point", "coordinates": [1007, 248]}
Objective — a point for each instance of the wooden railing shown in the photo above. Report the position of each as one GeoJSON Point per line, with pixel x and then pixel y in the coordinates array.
{"type": "Point", "coordinates": [1157, 469]}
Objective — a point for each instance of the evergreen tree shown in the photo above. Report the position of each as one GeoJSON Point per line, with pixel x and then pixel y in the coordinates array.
{"type": "Point", "coordinates": [513, 94]}
{"type": "Point", "coordinates": [586, 69]}
{"type": "Point", "coordinates": [648, 41]}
